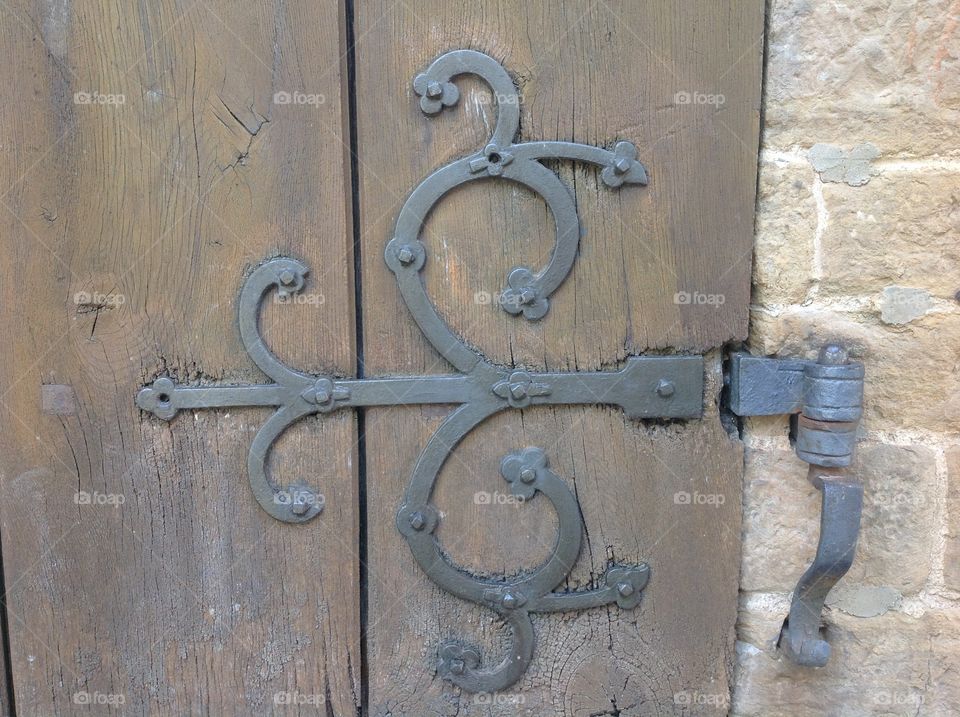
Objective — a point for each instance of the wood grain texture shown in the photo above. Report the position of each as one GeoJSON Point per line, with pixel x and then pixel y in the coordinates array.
{"type": "Point", "coordinates": [127, 230]}
{"type": "Point", "coordinates": [593, 73]}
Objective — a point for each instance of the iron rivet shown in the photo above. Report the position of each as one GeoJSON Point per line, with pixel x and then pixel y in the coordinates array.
{"type": "Point", "coordinates": [625, 589]}
{"type": "Point", "coordinates": [434, 89]}
{"type": "Point", "coordinates": [833, 355]}
{"type": "Point", "coordinates": [300, 508]}
{"type": "Point", "coordinates": [510, 601]}
{"type": "Point", "coordinates": [405, 255]}
{"type": "Point", "coordinates": [528, 475]}
{"type": "Point", "coordinates": [518, 391]}
{"type": "Point", "coordinates": [457, 666]}
{"type": "Point", "coordinates": [621, 165]}
{"type": "Point", "coordinates": [665, 388]}
{"type": "Point", "coordinates": [417, 521]}
{"type": "Point", "coordinates": [286, 277]}
{"type": "Point", "coordinates": [527, 296]}
{"type": "Point", "coordinates": [322, 395]}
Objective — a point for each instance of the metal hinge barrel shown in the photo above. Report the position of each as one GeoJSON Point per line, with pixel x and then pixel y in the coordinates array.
{"type": "Point", "coordinates": [827, 393]}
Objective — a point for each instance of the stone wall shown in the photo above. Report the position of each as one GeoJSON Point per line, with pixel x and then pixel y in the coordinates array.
{"type": "Point", "coordinates": [858, 239]}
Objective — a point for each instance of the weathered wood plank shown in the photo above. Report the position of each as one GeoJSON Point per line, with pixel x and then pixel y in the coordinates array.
{"type": "Point", "coordinates": [593, 73]}
{"type": "Point", "coordinates": [130, 213]}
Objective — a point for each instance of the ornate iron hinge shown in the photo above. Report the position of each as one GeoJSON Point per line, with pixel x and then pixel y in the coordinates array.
{"type": "Point", "coordinates": [646, 387]}
{"type": "Point", "coordinates": [827, 397]}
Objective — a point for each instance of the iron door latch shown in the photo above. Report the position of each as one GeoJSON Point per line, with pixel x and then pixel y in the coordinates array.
{"type": "Point", "coordinates": [827, 397]}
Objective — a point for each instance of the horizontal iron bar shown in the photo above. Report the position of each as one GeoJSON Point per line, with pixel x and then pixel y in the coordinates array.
{"type": "Point", "coordinates": [229, 396]}
{"type": "Point", "coordinates": [646, 387]}
{"type": "Point", "coordinates": [765, 386]}
{"type": "Point", "coordinates": [406, 390]}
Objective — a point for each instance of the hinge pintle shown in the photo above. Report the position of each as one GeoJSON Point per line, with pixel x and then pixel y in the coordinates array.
{"type": "Point", "coordinates": [827, 393]}
{"type": "Point", "coordinates": [828, 396]}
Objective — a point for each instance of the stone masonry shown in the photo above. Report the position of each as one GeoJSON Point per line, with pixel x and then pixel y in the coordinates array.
{"type": "Point", "coordinates": [858, 239]}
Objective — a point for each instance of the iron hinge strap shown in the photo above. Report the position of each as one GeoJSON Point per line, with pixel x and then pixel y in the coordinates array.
{"type": "Point", "coordinates": [827, 397]}
{"type": "Point", "coordinates": [665, 387]}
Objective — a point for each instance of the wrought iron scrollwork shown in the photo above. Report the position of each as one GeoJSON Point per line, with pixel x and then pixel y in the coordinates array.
{"type": "Point", "coordinates": [645, 387]}
{"type": "Point", "coordinates": [527, 292]}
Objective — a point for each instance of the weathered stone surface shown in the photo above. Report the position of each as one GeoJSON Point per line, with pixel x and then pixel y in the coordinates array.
{"type": "Point", "coordinates": [912, 377]}
{"type": "Point", "coordinates": [860, 243]}
{"type": "Point", "coordinates": [768, 429]}
{"type": "Point", "coordinates": [888, 665]}
{"type": "Point", "coordinates": [835, 164]}
{"type": "Point", "coordinates": [951, 558]}
{"type": "Point", "coordinates": [854, 71]}
{"type": "Point", "coordinates": [900, 229]}
{"type": "Point", "coordinates": [896, 547]}
{"type": "Point", "coordinates": [863, 600]}
{"type": "Point", "coordinates": [786, 224]}
{"type": "Point", "coordinates": [903, 304]}
{"type": "Point", "coordinates": [781, 521]}
{"type": "Point", "coordinates": [760, 628]}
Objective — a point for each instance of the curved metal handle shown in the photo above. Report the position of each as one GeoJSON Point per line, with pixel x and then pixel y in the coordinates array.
{"type": "Point", "coordinates": [842, 502]}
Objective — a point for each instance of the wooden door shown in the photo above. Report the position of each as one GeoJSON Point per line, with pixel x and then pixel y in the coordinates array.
{"type": "Point", "coordinates": [147, 167]}
{"type": "Point", "coordinates": [157, 153]}
{"type": "Point", "coordinates": [667, 493]}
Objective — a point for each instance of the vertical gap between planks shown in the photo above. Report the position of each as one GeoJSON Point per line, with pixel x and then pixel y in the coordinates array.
{"type": "Point", "coordinates": [5, 632]}
{"type": "Point", "coordinates": [350, 15]}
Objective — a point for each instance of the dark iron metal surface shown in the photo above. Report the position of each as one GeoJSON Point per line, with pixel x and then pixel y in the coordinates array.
{"type": "Point", "coordinates": [645, 387]}
{"type": "Point", "coordinates": [827, 393]}
{"type": "Point", "coordinates": [527, 290]}
{"type": "Point", "coordinates": [842, 502]}
{"type": "Point", "coordinates": [828, 396]}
